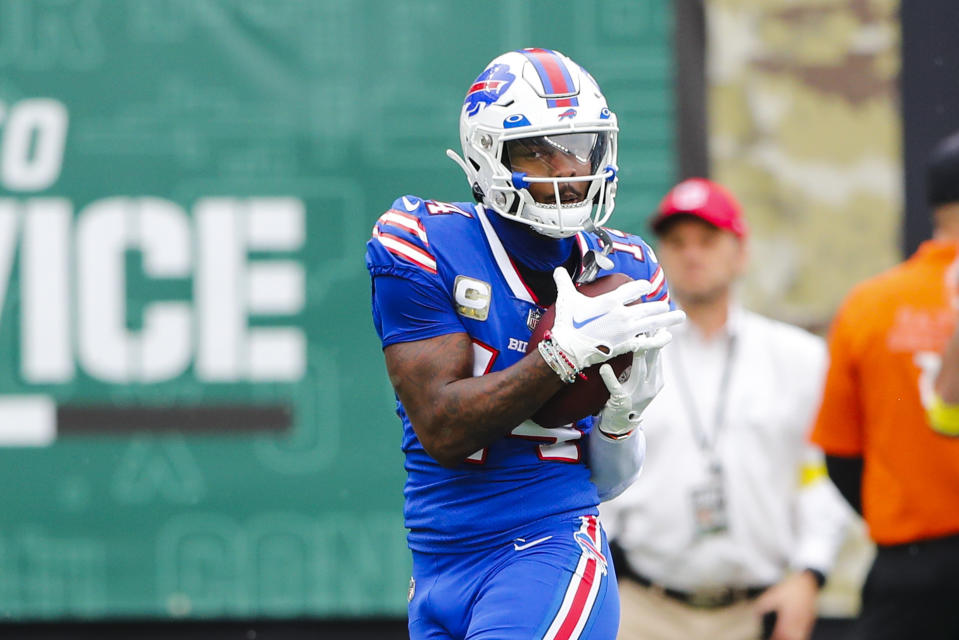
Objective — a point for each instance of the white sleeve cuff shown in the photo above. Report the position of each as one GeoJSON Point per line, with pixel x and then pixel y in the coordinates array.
{"type": "Point", "coordinates": [824, 520]}
{"type": "Point", "coordinates": [615, 463]}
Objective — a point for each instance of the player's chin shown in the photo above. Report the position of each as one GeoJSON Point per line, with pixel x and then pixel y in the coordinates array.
{"type": "Point", "coordinates": [573, 200]}
{"type": "Point", "coordinates": [696, 294]}
{"type": "Point", "coordinates": [572, 196]}
{"type": "Point", "coordinates": [566, 200]}
{"type": "Point", "coordinates": [569, 195]}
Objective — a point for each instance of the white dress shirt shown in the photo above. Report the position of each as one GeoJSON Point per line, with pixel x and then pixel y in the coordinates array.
{"type": "Point", "coordinates": [765, 379]}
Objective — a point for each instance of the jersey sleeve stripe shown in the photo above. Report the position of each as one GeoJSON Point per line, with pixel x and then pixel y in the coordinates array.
{"type": "Point", "coordinates": [405, 222]}
{"type": "Point", "coordinates": [403, 249]}
{"type": "Point", "coordinates": [658, 281]}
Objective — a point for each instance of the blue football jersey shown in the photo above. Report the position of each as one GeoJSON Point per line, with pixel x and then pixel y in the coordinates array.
{"type": "Point", "coordinates": [440, 268]}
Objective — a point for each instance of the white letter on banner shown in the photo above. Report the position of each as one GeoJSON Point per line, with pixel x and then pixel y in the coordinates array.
{"type": "Point", "coordinates": [46, 351]}
{"type": "Point", "coordinates": [101, 290]}
{"type": "Point", "coordinates": [33, 141]}
{"type": "Point", "coordinates": [229, 288]}
{"type": "Point", "coordinates": [9, 215]}
{"type": "Point", "coordinates": [216, 289]}
{"type": "Point", "coordinates": [276, 287]}
{"type": "Point", "coordinates": [167, 341]}
{"type": "Point", "coordinates": [105, 231]}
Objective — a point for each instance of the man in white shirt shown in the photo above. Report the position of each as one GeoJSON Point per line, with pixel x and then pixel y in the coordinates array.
{"type": "Point", "coordinates": [733, 525]}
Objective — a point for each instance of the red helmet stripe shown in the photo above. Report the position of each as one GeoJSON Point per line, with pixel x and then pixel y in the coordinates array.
{"type": "Point", "coordinates": [552, 71]}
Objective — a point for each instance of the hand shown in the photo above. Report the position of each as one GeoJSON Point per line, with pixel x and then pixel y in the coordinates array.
{"type": "Point", "coordinates": [794, 599]}
{"type": "Point", "coordinates": [627, 401]}
{"type": "Point", "coordinates": [607, 325]}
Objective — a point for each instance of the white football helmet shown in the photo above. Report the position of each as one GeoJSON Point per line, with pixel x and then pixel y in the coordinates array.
{"type": "Point", "coordinates": [533, 103]}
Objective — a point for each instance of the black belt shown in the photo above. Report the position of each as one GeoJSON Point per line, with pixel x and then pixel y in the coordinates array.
{"type": "Point", "coordinates": [944, 544]}
{"type": "Point", "coordinates": [711, 598]}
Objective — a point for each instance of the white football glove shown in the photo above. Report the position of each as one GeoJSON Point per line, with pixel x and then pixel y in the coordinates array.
{"type": "Point", "coordinates": [627, 400]}
{"type": "Point", "coordinates": [593, 330]}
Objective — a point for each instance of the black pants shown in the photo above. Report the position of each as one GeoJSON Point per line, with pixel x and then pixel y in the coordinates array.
{"type": "Point", "coordinates": [912, 591]}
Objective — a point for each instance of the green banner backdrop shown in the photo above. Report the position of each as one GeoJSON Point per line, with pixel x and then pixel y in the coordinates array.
{"type": "Point", "coordinates": [195, 420]}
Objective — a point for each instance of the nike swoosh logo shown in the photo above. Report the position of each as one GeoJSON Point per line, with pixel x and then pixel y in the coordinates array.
{"type": "Point", "coordinates": [410, 206]}
{"type": "Point", "coordinates": [527, 545]}
{"type": "Point", "coordinates": [578, 325]}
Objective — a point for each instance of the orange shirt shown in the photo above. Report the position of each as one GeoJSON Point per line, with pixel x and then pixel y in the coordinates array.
{"type": "Point", "coordinates": [884, 347]}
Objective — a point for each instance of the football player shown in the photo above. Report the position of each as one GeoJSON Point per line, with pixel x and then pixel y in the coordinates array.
{"type": "Point", "coordinates": [502, 513]}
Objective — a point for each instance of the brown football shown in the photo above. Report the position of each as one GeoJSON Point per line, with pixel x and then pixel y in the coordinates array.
{"type": "Point", "coordinates": [584, 397]}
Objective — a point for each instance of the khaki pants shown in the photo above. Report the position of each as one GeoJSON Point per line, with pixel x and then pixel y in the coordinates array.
{"type": "Point", "coordinates": [646, 614]}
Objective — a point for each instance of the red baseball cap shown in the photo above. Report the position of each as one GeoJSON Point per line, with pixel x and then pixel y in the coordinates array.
{"type": "Point", "coordinates": [705, 200]}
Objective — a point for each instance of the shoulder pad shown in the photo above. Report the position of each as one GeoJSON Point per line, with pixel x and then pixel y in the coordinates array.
{"type": "Point", "coordinates": [404, 230]}
{"type": "Point", "coordinates": [631, 244]}
{"type": "Point", "coordinates": [636, 258]}
{"type": "Point", "coordinates": [401, 232]}
{"type": "Point", "coordinates": [422, 207]}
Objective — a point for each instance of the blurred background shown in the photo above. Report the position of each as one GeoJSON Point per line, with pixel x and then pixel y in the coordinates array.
{"type": "Point", "coordinates": [196, 427]}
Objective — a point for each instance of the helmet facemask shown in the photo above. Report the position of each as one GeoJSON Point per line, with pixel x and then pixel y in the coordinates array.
{"type": "Point", "coordinates": [562, 181]}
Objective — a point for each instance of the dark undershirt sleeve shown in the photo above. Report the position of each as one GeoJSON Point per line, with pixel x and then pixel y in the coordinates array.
{"type": "Point", "coordinates": [846, 474]}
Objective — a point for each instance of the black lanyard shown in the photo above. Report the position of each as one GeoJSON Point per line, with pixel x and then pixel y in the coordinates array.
{"type": "Point", "coordinates": [706, 445]}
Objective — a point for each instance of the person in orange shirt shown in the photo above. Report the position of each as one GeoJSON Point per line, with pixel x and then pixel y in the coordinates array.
{"type": "Point", "coordinates": [943, 411]}
{"type": "Point", "coordinates": [882, 451]}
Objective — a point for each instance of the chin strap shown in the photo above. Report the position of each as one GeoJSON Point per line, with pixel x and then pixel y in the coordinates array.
{"type": "Point", "coordinates": [455, 157]}
{"type": "Point", "coordinates": [478, 194]}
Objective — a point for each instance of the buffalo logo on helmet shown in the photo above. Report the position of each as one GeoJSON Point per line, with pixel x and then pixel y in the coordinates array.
{"type": "Point", "coordinates": [569, 113]}
{"type": "Point", "coordinates": [488, 88]}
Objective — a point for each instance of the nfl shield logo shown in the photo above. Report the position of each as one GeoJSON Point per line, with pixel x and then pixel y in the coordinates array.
{"type": "Point", "coordinates": [532, 319]}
